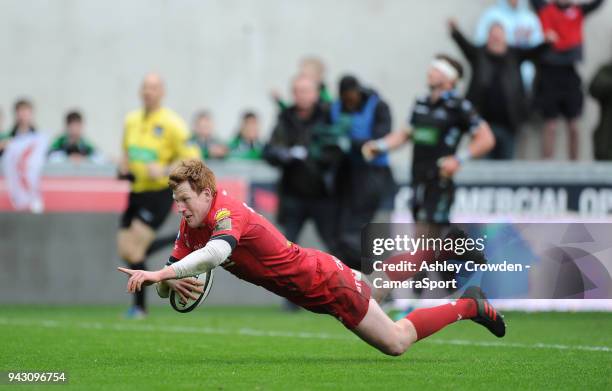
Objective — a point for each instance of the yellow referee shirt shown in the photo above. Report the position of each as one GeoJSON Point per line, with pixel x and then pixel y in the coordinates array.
{"type": "Point", "coordinates": [160, 137]}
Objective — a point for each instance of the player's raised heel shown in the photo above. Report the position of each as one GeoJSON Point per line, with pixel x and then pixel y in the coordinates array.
{"type": "Point", "coordinates": [486, 314]}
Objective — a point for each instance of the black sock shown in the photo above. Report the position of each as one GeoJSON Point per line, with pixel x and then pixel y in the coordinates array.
{"type": "Point", "coordinates": [139, 296]}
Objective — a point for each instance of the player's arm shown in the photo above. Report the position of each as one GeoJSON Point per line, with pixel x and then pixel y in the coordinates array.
{"type": "Point", "coordinates": [123, 171]}
{"type": "Point", "coordinates": [482, 142]}
{"type": "Point", "coordinates": [200, 261]}
{"type": "Point", "coordinates": [391, 141]}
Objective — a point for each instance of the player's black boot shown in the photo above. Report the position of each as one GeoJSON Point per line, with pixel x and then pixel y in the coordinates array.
{"type": "Point", "coordinates": [486, 315]}
{"type": "Point", "coordinates": [473, 255]}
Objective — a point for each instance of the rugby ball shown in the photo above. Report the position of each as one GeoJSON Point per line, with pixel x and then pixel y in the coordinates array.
{"type": "Point", "coordinates": [180, 306]}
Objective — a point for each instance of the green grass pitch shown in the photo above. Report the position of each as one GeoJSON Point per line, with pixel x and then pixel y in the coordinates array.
{"type": "Point", "coordinates": [266, 349]}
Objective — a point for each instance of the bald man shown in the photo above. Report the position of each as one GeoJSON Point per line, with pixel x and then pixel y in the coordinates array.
{"type": "Point", "coordinates": [308, 150]}
{"type": "Point", "coordinates": [154, 139]}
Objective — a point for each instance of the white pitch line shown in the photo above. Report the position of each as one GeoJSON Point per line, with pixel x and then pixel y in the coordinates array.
{"type": "Point", "coordinates": [285, 334]}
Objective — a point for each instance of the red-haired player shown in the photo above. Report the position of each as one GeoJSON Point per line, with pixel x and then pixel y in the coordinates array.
{"type": "Point", "coordinates": [217, 230]}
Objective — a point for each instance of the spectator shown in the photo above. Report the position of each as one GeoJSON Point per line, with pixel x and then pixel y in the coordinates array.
{"type": "Point", "coordinates": [24, 122]}
{"type": "Point", "coordinates": [522, 27]}
{"type": "Point", "coordinates": [203, 135]}
{"type": "Point", "coordinates": [495, 87]}
{"type": "Point", "coordinates": [601, 89]}
{"type": "Point", "coordinates": [308, 150]}
{"type": "Point", "coordinates": [246, 144]}
{"type": "Point", "coordinates": [72, 144]}
{"type": "Point", "coordinates": [313, 68]}
{"type": "Point", "coordinates": [558, 89]}
{"type": "Point", "coordinates": [364, 183]}
{"type": "Point", "coordinates": [24, 118]}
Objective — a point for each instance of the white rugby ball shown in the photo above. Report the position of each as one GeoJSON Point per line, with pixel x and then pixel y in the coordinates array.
{"type": "Point", "coordinates": [191, 304]}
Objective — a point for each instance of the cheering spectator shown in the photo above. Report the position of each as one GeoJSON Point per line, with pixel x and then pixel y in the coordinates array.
{"type": "Point", "coordinates": [558, 89]}
{"type": "Point", "coordinates": [601, 89]}
{"type": "Point", "coordinates": [522, 27]}
{"type": "Point", "coordinates": [364, 183]}
{"type": "Point", "coordinates": [203, 135]}
{"type": "Point", "coordinates": [72, 144]}
{"type": "Point", "coordinates": [246, 144]}
{"type": "Point", "coordinates": [495, 87]}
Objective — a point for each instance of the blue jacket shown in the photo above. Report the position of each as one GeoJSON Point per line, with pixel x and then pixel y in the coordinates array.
{"type": "Point", "coordinates": [361, 127]}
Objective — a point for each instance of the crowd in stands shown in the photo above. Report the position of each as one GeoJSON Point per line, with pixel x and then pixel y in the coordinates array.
{"type": "Point", "coordinates": [523, 60]}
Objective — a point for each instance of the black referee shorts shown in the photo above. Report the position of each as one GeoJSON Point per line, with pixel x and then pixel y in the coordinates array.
{"type": "Point", "coordinates": [150, 207]}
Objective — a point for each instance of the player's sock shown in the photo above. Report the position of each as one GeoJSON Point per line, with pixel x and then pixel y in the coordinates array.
{"type": "Point", "coordinates": [427, 321]}
{"type": "Point", "coordinates": [139, 296]}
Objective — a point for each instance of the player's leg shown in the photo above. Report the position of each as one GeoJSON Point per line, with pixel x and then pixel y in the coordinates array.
{"type": "Point", "coordinates": [378, 330]}
{"type": "Point", "coordinates": [394, 338]}
{"type": "Point", "coordinates": [132, 243]}
{"type": "Point", "coordinates": [572, 139]}
{"type": "Point", "coordinates": [146, 212]}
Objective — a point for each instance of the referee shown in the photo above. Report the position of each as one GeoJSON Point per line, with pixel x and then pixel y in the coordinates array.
{"type": "Point", "coordinates": [154, 139]}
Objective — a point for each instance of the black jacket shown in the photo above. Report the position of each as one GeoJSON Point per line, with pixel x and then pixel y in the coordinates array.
{"type": "Point", "coordinates": [315, 175]}
{"type": "Point", "coordinates": [601, 89]}
{"type": "Point", "coordinates": [484, 66]}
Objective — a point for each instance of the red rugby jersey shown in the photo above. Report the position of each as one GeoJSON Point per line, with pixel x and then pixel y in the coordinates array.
{"type": "Point", "coordinates": [262, 256]}
{"type": "Point", "coordinates": [565, 22]}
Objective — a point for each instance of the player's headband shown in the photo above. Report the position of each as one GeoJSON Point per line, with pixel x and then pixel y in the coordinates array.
{"type": "Point", "coordinates": [446, 68]}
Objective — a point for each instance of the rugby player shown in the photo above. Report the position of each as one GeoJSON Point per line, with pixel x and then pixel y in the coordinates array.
{"type": "Point", "coordinates": [437, 124]}
{"type": "Point", "coordinates": [154, 139]}
{"type": "Point", "coordinates": [216, 230]}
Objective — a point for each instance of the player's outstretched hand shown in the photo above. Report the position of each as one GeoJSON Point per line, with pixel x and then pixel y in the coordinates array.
{"type": "Point", "coordinates": [138, 278]}
{"type": "Point", "coordinates": [185, 287]}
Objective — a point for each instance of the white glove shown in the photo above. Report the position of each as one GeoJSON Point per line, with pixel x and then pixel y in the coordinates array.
{"type": "Point", "coordinates": [298, 152]}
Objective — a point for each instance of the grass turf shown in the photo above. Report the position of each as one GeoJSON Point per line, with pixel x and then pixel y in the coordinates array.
{"type": "Point", "coordinates": [265, 349]}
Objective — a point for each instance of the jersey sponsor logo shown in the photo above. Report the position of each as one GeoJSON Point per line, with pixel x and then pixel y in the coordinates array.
{"type": "Point", "coordinates": [223, 225]}
{"type": "Point", "coordinates": [221, 214]}
{"type": "Point", "coordinates": [140, 154]}
{"type": "Point", "coordinates": [425, 136]}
